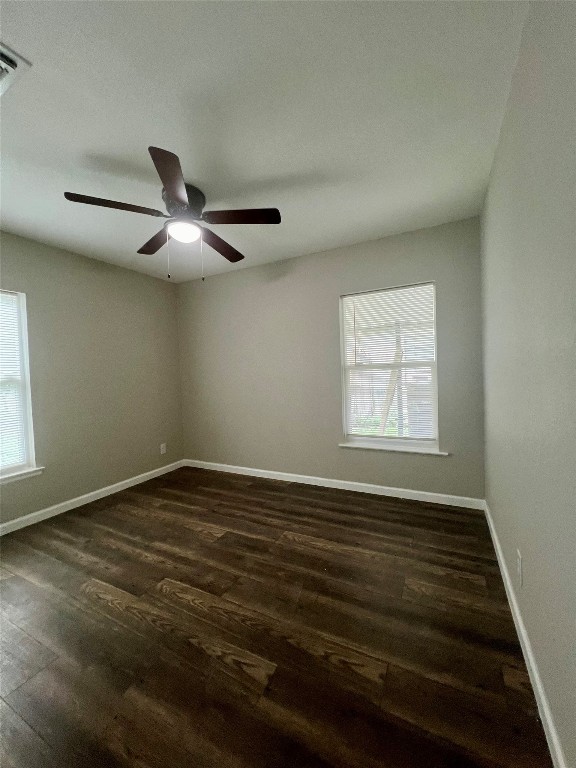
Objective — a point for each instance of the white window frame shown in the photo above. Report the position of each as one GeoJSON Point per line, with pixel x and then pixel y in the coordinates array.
{"type": "Point", "coordinates": [382, 442]}
{"type": "Point", "coordinates": [29, 467]}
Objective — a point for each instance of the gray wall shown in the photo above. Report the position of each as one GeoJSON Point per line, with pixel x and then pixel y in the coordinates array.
{"type": "Point", "coordinates": [529, 272]}
{"type": "Point", "coordinates": [104, 372]}
{"type": "Point", "coordinates": [260, 362]}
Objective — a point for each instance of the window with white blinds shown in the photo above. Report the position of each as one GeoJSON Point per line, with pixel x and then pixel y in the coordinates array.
{"type": "Point", "coordinates": [389, 366]}
{"type": "Point", "coordinates": [16, 435]}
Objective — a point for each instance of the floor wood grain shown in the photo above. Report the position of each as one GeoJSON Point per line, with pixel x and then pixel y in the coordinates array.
{"type": "Point", "coordinates": [209, 620]}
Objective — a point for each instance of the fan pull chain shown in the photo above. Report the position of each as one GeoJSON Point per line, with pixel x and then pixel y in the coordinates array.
{"type": "Point", "coordinates": [202, 253]}
{"type": "Point", "coordinates": [168, 244]}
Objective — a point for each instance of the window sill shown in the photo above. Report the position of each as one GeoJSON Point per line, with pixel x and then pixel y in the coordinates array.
{"type": "Point", "coordinates": [427, 450]}
{"type": "Point", "coordinates": [20, 474]}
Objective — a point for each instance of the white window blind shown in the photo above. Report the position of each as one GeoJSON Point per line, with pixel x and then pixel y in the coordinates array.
{"type": "Point", "coordinates": [389, 364]}
{"type": "Point", "coordinates": [16, 436]}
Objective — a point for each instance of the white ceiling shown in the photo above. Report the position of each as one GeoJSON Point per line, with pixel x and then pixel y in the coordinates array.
{"type": "Point", "coordinates": [356, 119]}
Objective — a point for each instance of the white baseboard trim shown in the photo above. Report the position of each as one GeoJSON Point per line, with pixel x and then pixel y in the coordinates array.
{"type": "Point", "coordinates": [64, 506]}
{"type": "Point", "coordinates": [544, 710]}
{"type": "Point", "coordinates": [346, 485]}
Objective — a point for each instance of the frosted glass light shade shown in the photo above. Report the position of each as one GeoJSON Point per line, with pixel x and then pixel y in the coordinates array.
{"type": "Point", "coordinates": [184, 231]}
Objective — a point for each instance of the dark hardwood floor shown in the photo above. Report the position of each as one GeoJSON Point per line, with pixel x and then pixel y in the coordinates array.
{"type": "Point", "coordinates": [211, 620]}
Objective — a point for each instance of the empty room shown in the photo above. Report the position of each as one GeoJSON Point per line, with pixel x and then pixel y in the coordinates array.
{"type": "Point", "coordinates": [288, 478]}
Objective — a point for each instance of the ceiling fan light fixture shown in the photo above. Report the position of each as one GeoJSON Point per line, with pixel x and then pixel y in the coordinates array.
{"type": "Point", "coordinates": [184, 231]}
{"type": "Point", "coordinates": [185, 205]}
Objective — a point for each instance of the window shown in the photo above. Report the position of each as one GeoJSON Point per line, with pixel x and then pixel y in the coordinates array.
{"type": "Point", "coordinates": [16, 435]}
{"type": "Point", "coordinates": [389, 369]}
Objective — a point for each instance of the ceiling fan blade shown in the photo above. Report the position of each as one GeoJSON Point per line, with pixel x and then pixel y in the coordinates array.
{"type": "Point", "coordinates": [221, 246]}
{"type": "Point", "coordinates": [246, 216]}
{"type": "Point", "coordinates": [156, 242]}
{"type": "Point", "coordinates": [112, 204]}
{"type": "Point", "coordinates": [168, 166]}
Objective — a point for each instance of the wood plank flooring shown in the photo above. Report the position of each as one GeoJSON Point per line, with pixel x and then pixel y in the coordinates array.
{"type": "Point", "coordinates": [210, 620]}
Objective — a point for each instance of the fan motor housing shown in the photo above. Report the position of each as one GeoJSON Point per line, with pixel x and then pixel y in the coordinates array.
{"type": "Point", "coordinates": [196, 203]}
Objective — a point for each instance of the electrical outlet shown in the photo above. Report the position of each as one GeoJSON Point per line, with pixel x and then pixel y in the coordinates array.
{"type": "Point", "coordinates": [519, 567]}
{"type": "Point", "coordinates": [162, 447]}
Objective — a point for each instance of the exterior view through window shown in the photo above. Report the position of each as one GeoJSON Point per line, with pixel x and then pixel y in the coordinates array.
{"type": "Point", "coordinates": [389, 367]}
{"type": "Point", "coordinates": [16, 435]}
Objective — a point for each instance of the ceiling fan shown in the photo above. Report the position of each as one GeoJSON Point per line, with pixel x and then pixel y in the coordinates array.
{"type": "Point", "coordinates": [185, 205]}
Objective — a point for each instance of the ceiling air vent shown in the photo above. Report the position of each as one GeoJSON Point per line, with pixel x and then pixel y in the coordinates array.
{"type": "Point", "coordinates": [11, 66]}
